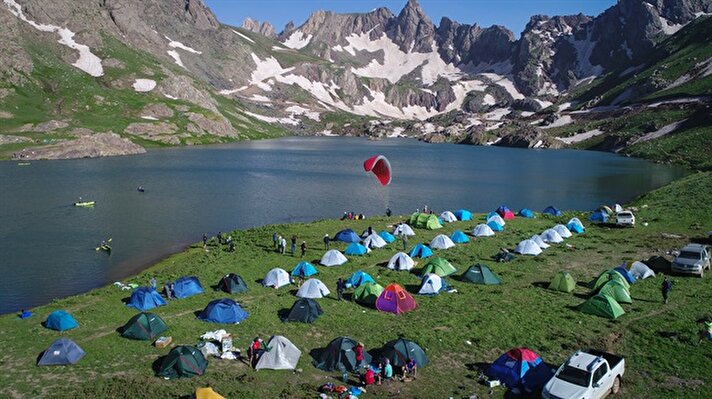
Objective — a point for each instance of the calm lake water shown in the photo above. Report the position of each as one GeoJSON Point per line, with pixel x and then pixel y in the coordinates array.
{"type": "Point", "coordinates": [47, 245]}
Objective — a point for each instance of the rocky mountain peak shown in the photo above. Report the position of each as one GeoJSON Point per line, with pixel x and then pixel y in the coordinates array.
{"type": "Point", "coordinates": [412, 29]}
{"type": "Point", "coordinates": [265, 28]}
{"type": "Point", "coordinates": [201, 15]}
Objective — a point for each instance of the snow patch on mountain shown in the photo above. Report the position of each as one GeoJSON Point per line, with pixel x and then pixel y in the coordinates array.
{"type": "Point", "coordinates": [297, 110]}
{"type": "Point", "coordinates": [144, 85]}
{"type": "Point", "coordinates": [562, 121]}
{"type": "Point", "coordinates": [179, 45]}
{"type": "Point", "coordinates": [266, 69]}
{"type": "Point", "coordinates": [87, 61]}
{"type": "Point", "coordinates": [488, 100]}
{"type": "Point", "coordinates": [297, 40]}
{"type": "Point", "coordinates": [507, 84]}
{"type": "Point", "coordinates": [583, 49]}
{"type": "Point", "coordinates": [668, 27]}
{"type": "Point", "coordinates": [243, 36]}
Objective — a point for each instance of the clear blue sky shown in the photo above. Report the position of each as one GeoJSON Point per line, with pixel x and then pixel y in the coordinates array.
{"type": "Point", "coordinates": [514, 14]}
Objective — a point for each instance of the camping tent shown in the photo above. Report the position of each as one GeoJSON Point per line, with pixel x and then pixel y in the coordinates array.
{"type": "Point", "coordinates": [232, 284]}
{"type": "Point", "coordinates": [359, 277]}
{"type": "Point", "coordinates": [339, 355]}
{"type": "Point", "coordinates": [562, 281]}
{"type": "Point", "coordinates": [394, 299]}
{"type": "Point", "coordinates": [182, 361]}
{"type": "Point", "coordinates": [356, 249]}
{"type": "Point", "coordinates": [400, 351]}
{"type": "Point", "coordinates": [598, 216]}
{"type": "Point", "coordinates": [224, 311]}
{"type": "Point", "coordinates": [551, 236]}
{"type": "Point", "coordinates": [617, 208]}
{"type": "Point", "coordinates": [463, 214]}
{"type": "Point", "coordinates": [482, 230]}
{"type": "Point", "coordinates": [496, 218]}
{"type": "Point", "coordinates": [459, 237]}
{"type": "Point", "coordinates": [347, 235]}
{"type": "Point", "coordinates": [207, 393]}
{"type": "Point", "coordinates": [604, 277]}
{"type": "Point", "coordinates": [658, 263]}
{"type": "Point", "coordinates": [313, 288]}
{"type": "Point", "coordinates": [606, 209]}
{"type": "Point", "coordinates": [143, 326]}
{"type": "Point", "coordinates": [505, 212]}
{"type": "Point", "coordinates": [187, 286]}
{"type": "Point", "coordinates": [602, 305]}
{"type": "Point", "coordinates": [304, 269]}
{"type": "Point", "coordinates": [512, 367]}
{"type": "Point", "coordinates": [528, 247]}
{"type": "Point", "coordinates": [615, 290]}
{"type": "Point", "coordinates": [494, 226]}
{"type": "Point", "coordinates": [425, 221]}
{"type": "Point", "coordinates": [145, 298]}
{"type": "Point", "coordinates": [304, 310]}
{"type": "Point", "coordinates": [537, 239]}
{"type": "Point", "coordinates": [526, 213]}
{"type": "Point", "coordinates": [480, 274]}
{"type": "Point", "coordinates": [61, 321]}
{"type": "Point", "coordinates": [625, 273]}
{"type": "Point", "coordinates": [575, 225]}
{"type": "Point", "coordinates": [639, 270]}
{"type": "Point", "coordinates": [562, 230]}
{"type": "Point", "coordinates": [387, 237]}
{"type": "Point", "coordinates": [61, 352]}
{"type": "Point", "coordinates": [333, 258]}
{"type": "Point", "coordinates": [439, 266]}
{"type": "Point", "coordinates": [420, 251]}
{"type": "Point", "coordinates": [431, 284]}
{"type": "Point", "coordinates": [551, 210]}
{"type": "Point", "coordinates": [374, 241]}
{"type": "Point", "coordinates": [401, 261]}
{"type": "Point", "coordinates": [448, 217]}
{"type": "Point", "coordinates": [368, 293]}
{"type": "Point", "coordinates": [276, 278]}
{"type": "Point", "coordinates": [403, 229]}
{"type": "Point", "coordinates": [441, 241]}
{"type": "Point", "coordinates": [282, 355]}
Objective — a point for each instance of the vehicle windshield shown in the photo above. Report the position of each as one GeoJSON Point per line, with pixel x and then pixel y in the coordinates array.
{"type": "Point", "coordinates": [625, 214]}
{"type": "Point", "coordinates": [575, 376]}
{"type": "Point", "coordinates": [689, 255]}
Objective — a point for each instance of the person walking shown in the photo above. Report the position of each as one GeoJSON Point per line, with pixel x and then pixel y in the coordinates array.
{"type": "Point", "coordinates": [153, 282]}
{"type": "Point", "coordinates": [303, 247]}
{"type": "Point", "coordinates": [327, 241]}
{"type": "Point", "coordinates": [275, 237]}
{"type": "Point", "coordinates": [294, 245]}
{"type": "Point", "coordinates": [205, 240]}
{"type": "Point", "coordinates": [404, 237]}
{"type": "Point", "coordinates": [340, 288]}
{"type": "Point", "coordinates": [283, 245]}
{"type": "Point", "coordinates": [388, 212]}
{"type": "Point", "coordinates": [666, 287]}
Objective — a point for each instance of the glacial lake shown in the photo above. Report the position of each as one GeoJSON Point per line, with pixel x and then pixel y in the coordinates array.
{"type": "Point", "coordinates": [47, 245]}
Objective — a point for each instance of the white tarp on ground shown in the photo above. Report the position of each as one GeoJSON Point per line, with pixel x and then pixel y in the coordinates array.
{"type": "Point", "coordinates": [313, 288]}
{"type": "Point", "coordinates": [401, 261]}
{"type": "Point", "coordinates": [333, 258]}
{"type": "Point", "coordinates": [282, 355]}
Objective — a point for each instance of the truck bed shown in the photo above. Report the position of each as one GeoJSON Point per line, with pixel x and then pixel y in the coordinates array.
{"type": "Point", "coordinates": [613, 360]}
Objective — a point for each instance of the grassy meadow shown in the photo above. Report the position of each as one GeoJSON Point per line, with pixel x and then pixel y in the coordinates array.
{"type": "Point", "coordinates": [461, 332]}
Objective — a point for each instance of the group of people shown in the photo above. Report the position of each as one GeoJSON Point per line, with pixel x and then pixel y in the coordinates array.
{"type": "Point", "coordinates": [222, 240]}
{"type": "Point", "coordinates": [352, 216]}
{"type": "Point", "coordinates": [280, 245]}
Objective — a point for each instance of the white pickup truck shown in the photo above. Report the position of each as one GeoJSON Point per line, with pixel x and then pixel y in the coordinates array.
{"type": "Point", "coordinates": [586, 375]}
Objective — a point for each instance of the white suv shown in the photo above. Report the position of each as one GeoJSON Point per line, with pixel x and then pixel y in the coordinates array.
{"type": "Point", "coordinates": [625, 218]}
{"type": "Point", "coordinates": [693, 259]}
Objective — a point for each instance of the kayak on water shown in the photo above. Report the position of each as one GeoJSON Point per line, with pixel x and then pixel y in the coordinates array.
{"type": "Point", "coordinates": [104, 246]}
{"type": "Point", "coordinates": [84, 204]}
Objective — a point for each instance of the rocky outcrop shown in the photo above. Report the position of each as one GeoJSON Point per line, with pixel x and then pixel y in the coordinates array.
{"type": "Point", "coordinates": [471, 45]}
{"type": "Point", "coordinates": [97, 145]}
{"type": "Point", "coordinates": [412, 30]}
{"type": "Point", "coordinates": [265, 28]}
{"type": "Point", "coordinates": [217, 126]}
{"type": "Point", "coordinates": [7, 139]}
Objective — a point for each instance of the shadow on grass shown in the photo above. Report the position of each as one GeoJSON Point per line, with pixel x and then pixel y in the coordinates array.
{"type": "Point", "coordinates": [283, 314]}
{"type": "Point", "coordinates": [541, 284]}
{"type": "Point", "coordinates": [582, 296]}
{"type": "Point", "coordinates": [412, 288]}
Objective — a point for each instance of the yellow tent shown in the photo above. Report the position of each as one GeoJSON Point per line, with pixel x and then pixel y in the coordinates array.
{"type": "Point", "coordinates": [207, 393]}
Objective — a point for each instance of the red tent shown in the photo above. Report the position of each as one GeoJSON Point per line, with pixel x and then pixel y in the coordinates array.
{"type": "Point", "coordinates": [395, 299]}
{"type": "Point", "coordinates": [505, 212]}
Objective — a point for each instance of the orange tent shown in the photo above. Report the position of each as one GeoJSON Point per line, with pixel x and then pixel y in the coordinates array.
{"type": "Point", "coordinates": [394, 299]}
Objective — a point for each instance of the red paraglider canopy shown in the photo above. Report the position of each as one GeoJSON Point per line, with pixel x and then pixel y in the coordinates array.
{"type": "Point", "coordinates": [379, 165]}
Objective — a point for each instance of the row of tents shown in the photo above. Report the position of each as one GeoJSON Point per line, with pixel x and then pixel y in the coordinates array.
{"type": "Point", "coordinates": [612, 287]}
{"type": "Point", "coordinates": [537, 243]}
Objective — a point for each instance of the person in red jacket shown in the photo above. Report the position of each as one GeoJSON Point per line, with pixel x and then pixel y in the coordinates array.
{"type": "Point", "coordinates": [369, 378]}
{"type": "Point", "coordinates": [358, 350]}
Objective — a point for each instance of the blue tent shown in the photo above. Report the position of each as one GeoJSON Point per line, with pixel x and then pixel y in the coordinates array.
{"type": "Point", "coordinates": [459, 237]}
{"type": "Point", "coordinates": [61, 352]}
{"type": "Point", "coordinates": [145, 298]}
{"type": "Point", "coordinates": [356, 249]}
{"type": "Point", "coordinates": [463, 214]}
{"type": "Point", "coordinates": [304, 269]}
{"type": "Point", "coordinates": [420, 251]}
{"type": "Point", "coordinates": [495, 226]}
{"type": "Point", "coordinates": [598, 216]}
{"type": "Point", "coordinates": [537, 376]}
{"type": "Point", "coordinates": [551, 210]}
{"type": "Point", "coordinates": [575, 227]}
{"type": "Point", "coordinates": [347, 235]}
{"type": "Point", "coordinates": [387, 237]}
{"type": "Point", "coordinates": [626, 274]}
{"type": "Point", "coordinates": [61, 321]}
{"type": "Point", "coordinates": [358, 278]}
{"type": "Point", "coordinates": [513, 366]}
{"type": "Point", "coordinates": [224, 311]}
{"type": "Point", "coordinates": [187, 286]}
{"type": "Point", "coordinates": [527, 213]}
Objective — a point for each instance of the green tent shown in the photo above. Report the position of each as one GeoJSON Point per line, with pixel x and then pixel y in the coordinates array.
{"type": "Point", "coordinates": [562, 281]}
{"type": "Point", "coordinates": [615, 290]}
{"type": "Point", "coordinates": [400, 351]}
{"type": "Point", "coordinates": [144, 326]}
{"type": "Point", "coordinates": [425, 221]}
{"type": "Point", "coordinates": [439, 266]}
{"type": "Point", "coordinates": [480, 274]}
{"type": "Point", "coordinates": [367, 293]}
{"type": "Point", "coordinates": [232, 284]}
{"type": "Point", "coordinates": [606, 277]}
{"type": "Point", "coordinates": [602, 305]}
{"type": "Point", "coordinates": [182, 361]}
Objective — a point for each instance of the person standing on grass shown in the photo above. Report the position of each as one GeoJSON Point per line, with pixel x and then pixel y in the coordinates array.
{"type": "Point", "coordinates": [275, 237]}
{"type": "Point", "coordinates": [283, 245]}
{"type": "Point", "coordinates": [303, 247]}
{"type": "Point", "coordinates": [294, 245]}
{"type": "Point", "coordinates": [358, 350]}
{"type": "Point", "coordinates": [404, 237]}
{"type": "Point", "coordinates": [327, 241]}
{"type": "Point", "coordinates": [340, 288]}
{"type": "Point", "coordinates": [666, 287]}
{"type": "Point", "coordinates": [205, 240]}
{"type": "Point", "coordinates": [388, 212]}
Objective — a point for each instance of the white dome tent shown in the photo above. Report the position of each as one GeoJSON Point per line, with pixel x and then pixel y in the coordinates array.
{"type": "Point", "coordinates": [528, 247]}
{"type": "Point", "coordinates": [550, 235]}
{"type": "Point", "coordinates": [313, 288]}
{"type": "Point", "coordinates": [563, 231]}
{"type": "Point", "coordinates": [283, 355]}
{"type": "Point", "coordinates": [333, 258]}
{"type": "Point", "coordinates": [374, 241]}
{"type": "Point", "coordinates": [539, 242]}
{"type": "Point", "coordinates": [497, 219]}
{"type": "Point", "coordinates": [482, 230]}
{"type": "Point", "coordinates": [441, 241]}
{"type": "Point", "coordinates": [276, 278]}
{"type": "Point", "coordinates": [448, 217]}
{"type": "Point", "coordinates": [403, 229]}
{"type": "Point", "coordinates": [401, 261]}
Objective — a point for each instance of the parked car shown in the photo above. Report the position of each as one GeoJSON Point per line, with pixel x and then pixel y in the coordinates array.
{"type": "Point", "coordinates": [692, 259]}
{"type": "Point", "coordinates": [587, 374]}
{"type": "Point", "coordinates": [625, 218]}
